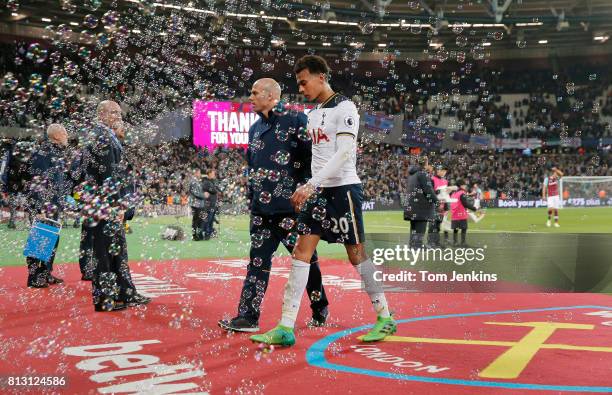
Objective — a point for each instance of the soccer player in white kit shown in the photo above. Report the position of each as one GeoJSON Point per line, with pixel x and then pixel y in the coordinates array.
{"type": "Point", "coordinates": [329, 203]}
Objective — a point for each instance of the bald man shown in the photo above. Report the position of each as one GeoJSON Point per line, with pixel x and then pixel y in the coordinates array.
{"type": "Point", "coordinates": [112, 286]}
{"type": "Point", "coordinates": [271, 184]}
{"type": "Point", "coordinates": [47, 195]}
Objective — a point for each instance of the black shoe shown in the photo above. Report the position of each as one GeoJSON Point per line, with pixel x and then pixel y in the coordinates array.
{"type": "Point", "coordinates": [85, 277]}
{"type": "Point", "coordinates": [319, 317]}
{"type": "Point", "coordinates": [51, 279]}
{"type": "Point", "coordinates": [110, 305]}
{"type": "Point", "coordinates": [239, 324]}
{"type": "Point", "coordinates": [38, 285]}
{"type": "Point", "coordinates": [12, 225]}
{"type": "Point", "coordinates": [207, 237]}
{"type": "Point", "coordinates": [137, 300]}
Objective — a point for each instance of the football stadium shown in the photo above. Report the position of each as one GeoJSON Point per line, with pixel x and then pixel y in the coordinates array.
{"type": "Point", "coordinates": [311, 196]}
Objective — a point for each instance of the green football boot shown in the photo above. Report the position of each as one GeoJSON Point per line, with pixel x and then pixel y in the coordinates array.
{"type": "Point", "coordinates": [280, 335]}
{"type": "Point", "coordinates": [382, 328]}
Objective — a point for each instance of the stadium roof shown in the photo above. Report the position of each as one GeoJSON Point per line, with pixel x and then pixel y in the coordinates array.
{"type": "Point", "coordinates": [504, 28]}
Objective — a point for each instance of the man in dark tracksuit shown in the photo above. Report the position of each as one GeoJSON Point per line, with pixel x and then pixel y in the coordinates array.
{"type": "Point", "coordinates": [49, 186]}
{"type": "Point", "coordinates": [278, 160]}
{"type": "Point", "coordinates": [421, 203]}
{"type": "Point", "coordinates": [211, 190]}
{"type": "Point", "coordinates": [78, 173]}
{"type": "Point", "coordinates": [197, 202]}
{"type": "Point", "coordinates": [112, 286]}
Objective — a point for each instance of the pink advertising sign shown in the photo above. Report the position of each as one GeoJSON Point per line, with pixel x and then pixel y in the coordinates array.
{"type": "Point", "coordinates": [221, 124]}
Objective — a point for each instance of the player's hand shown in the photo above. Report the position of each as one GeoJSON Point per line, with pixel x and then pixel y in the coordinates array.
{"type": "Point", "coordinates": [206, 195]}
{"type": "Point", "coordinates": [300, 196]}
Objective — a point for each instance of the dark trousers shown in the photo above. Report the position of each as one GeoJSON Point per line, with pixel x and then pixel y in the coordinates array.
{"type": "Point", "coordinates": [197, 223]}
{"type": "Point", "coordinates": [39, 271]}
{"type": "Point", "coordinates": [459, 225]}
{"type": "Point", "coordinates": [86, 251]}
{"type": "Point", "coordinates": [111, 275]}
{"type": "Point", "coordinates": [433, 234]}
{"type": "Point", "coordinates": [260, 264]}
{"type": "Point", "coordinates": [417, 232]}
{"type": "Point", "coordinates": [209, 219]}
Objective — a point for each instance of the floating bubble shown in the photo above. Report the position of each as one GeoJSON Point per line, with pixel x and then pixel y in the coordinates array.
{"type": "Point", "coordinates": [302, 134]}
{"type": "Point", "coordinates": [18, 61]}
{"type": "Point", "coordinates": [90, 21]}
{"type": "Point", "coordinates": [366, 28]}
{"type": "Point", "coordinates": [498, 35]}
{"type": "Point", "coordinates": [303, 229]}
{"type": "Point", "coordinates": [521, 43]}
{"type": "Point", "coordinates": [12, 5]}
{"type": "Point", "coordinates": [84, 53]}
{"type": "Point", "coordinates": [110, 18]}
{"type": "Point", "coordinates": [55, 57]}
{"type": "Point", "coordinates": [48, 32]}
{"type": "Point", "coordinates": [9, 82]}
{"type": "Point", "coordinates": [35, 78]}
{"type": "Point", "coordinates": [461, 41]}
{"type": "Point", "coordinates": [71, 68]}
{"type": "Point", "coordinates": [22, 95]}
{"type": "Point", "coordinates": [257, 261]}
{"type": "Point", "coordinates": [103, 40]}
{"type": "Point", "coordinates": [318, 213]}
{"type": "Point", "coordinates": [36, 53]}
{"type": "Point", "coordinates": [282, 135]}
{"type": "Point", "coordinates": [281, 157]}
{"type": "Point", "coordinates": [287, 223]}
{"type": "Point", "coordinates": [93, 5]}
{"type": "Point", "coordinates": [265, 197]}
{"type": "Point", "coordinates": [68, 6]}
{"type": "Point", "coordinates": [315, 296]}
{"type": "Point", "coordinates": [246, 74]}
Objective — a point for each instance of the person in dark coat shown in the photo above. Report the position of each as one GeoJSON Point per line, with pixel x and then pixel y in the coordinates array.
{"type": "Point", "coordinates": [272, 180]}
{"type": "Point", "coordinates": [112, 286]}
{"type": "Point", "coordinates": [421, 203]}
{"type": "Point", "coordinates": [211, 190]}
{"type": "Point", "coordinates": [47, 193]}
{"type": "Point", "coordinates": [197, 203]}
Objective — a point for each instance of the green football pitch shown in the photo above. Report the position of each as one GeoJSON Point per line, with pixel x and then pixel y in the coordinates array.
{"type": "Point", "coordinates": [145, 242]}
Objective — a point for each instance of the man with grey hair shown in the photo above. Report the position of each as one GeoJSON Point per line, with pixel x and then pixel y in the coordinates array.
{"type": "Point", "coordinates": [273, 220]}
{"type": "Point", "coordinates": [47, 193]}
{"type": "Point", "coordinates": [112, 286]}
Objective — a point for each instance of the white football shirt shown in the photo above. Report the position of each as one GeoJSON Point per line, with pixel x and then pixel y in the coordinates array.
{"type": "Point", "coordinates": [337, 116]}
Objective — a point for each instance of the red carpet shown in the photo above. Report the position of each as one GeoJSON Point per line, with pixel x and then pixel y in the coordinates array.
{"type": "Point", "coordinates": [451, 343]}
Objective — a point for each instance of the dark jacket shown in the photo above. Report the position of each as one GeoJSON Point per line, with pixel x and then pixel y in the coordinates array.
{"type": "Point", "coordinates": [273, 174]}
{"type": "Point", "coordinates": [103, 159]}
{"type": "Point", "coordinates": [49, 181]}
{"type": "Point", "coordinates": [468, 202]}
{"type": "Point", "coordinates": [212, 187]}
{"type": "Point", "coordinates": [422, 200]}
{"type": "Point", "coordinates": [196, 194]}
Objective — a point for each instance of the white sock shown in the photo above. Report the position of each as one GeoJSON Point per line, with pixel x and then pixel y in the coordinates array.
{"type": "Point", "coordinates": [373, 288]}
{"type": "Point", "coordinates": [293, 292]}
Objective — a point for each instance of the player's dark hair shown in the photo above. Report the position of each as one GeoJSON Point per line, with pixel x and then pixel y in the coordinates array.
{"type": "Point", "coordinates": [313, 63]}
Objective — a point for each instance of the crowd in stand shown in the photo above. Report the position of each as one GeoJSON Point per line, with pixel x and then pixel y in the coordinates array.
{"type": "Point", "coordinates": [562, 105]}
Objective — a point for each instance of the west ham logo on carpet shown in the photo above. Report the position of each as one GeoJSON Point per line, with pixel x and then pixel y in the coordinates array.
{"type": "Point", "coordinates": [532, 349]}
